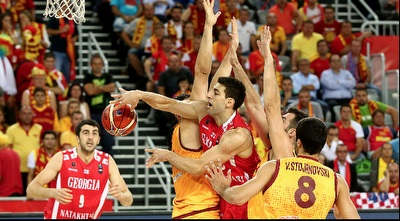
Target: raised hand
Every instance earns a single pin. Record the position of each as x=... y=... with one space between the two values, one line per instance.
x=126 y=97
x=211 y=18
x=233 y=57
x=216 y=177
x=264 y=42
x=234 y=35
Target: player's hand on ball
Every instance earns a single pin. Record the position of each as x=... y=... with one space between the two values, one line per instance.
x=126 y=97
x=158 y=155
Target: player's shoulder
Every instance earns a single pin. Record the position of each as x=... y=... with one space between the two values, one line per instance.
x=238 y=133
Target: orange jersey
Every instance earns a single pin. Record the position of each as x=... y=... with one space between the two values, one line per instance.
x=301 y=188
x=254 y=208
x=195 y=197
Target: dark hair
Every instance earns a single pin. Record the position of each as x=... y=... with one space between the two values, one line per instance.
x=222 y=30
x=39 y=89
x=344 y=22
x=377 y=111
x=73 y=84
x=76 y=112
x=320 y=41
x=343 y=106
x=166 y=37
x=182 y=97
x=302 y=60
x=312 y=133
x=27 y=13
x=97 y=55
x=287 y=78
x=72 y=101
x=184 y=37
x=87 y=122
x=304 y=90
x=49 y=54
x=2 y=16
x=182 y=78
x=298 y=115
x=177 y=5
x=308 y=21
x=332 y=127
x=329 y=7
x=361 y=89
x=233 y=89
x=48 y=132
x=158 y=25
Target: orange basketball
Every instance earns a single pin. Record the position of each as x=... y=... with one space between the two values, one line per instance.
x=119 y=122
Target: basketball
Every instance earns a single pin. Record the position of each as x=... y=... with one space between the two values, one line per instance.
x=119 y=122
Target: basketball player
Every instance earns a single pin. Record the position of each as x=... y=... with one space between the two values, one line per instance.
x=83 y=176
x=293 y=187
x=224 y=133
x=255 y=108
x=195 y=198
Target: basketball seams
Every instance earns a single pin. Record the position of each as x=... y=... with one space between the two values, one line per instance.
x=110 y=124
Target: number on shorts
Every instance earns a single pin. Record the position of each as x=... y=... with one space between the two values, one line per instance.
x=303 y=189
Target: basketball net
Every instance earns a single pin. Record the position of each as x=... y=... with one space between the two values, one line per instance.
x=71 y=9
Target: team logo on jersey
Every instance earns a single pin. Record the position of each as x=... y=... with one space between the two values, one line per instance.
x=100 y=169
x=85 y=171
x=73 y=164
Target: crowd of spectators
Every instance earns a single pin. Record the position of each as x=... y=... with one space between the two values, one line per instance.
x=323 y=60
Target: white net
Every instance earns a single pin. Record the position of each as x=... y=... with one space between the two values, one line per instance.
x=71 y=9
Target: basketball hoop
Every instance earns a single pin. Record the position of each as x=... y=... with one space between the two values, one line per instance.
x=71 y=9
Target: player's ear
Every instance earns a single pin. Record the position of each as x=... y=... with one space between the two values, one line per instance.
x=231 y=102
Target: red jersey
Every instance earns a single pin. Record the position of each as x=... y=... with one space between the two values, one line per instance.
x=89 y=185
x=160 y=64
x=56 y=78
x=189 y=59
x=11 y=181
x=347 y=135
x=46 y=117
x=329 y=31
x=242 y=168
x=198 y=18
x=339 y=43
x=319 y=65
x=377 y=136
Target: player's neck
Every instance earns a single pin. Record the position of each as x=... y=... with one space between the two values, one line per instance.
x=222 y=118
x=85 y=155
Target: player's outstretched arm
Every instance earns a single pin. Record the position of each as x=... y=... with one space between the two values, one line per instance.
x=272 y=101
x=253 y=101
x=35 y=188
x=187 y=109
x=240 y=194
x=233 y=142
x=225 y=68
x=344 y=207
x=202 y=66
x=118 y=187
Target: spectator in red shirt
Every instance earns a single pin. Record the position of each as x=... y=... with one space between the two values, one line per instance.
x=320 y=62
x=341 y=43
x=329 y=27
x=286 y=12
x=10 y=178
